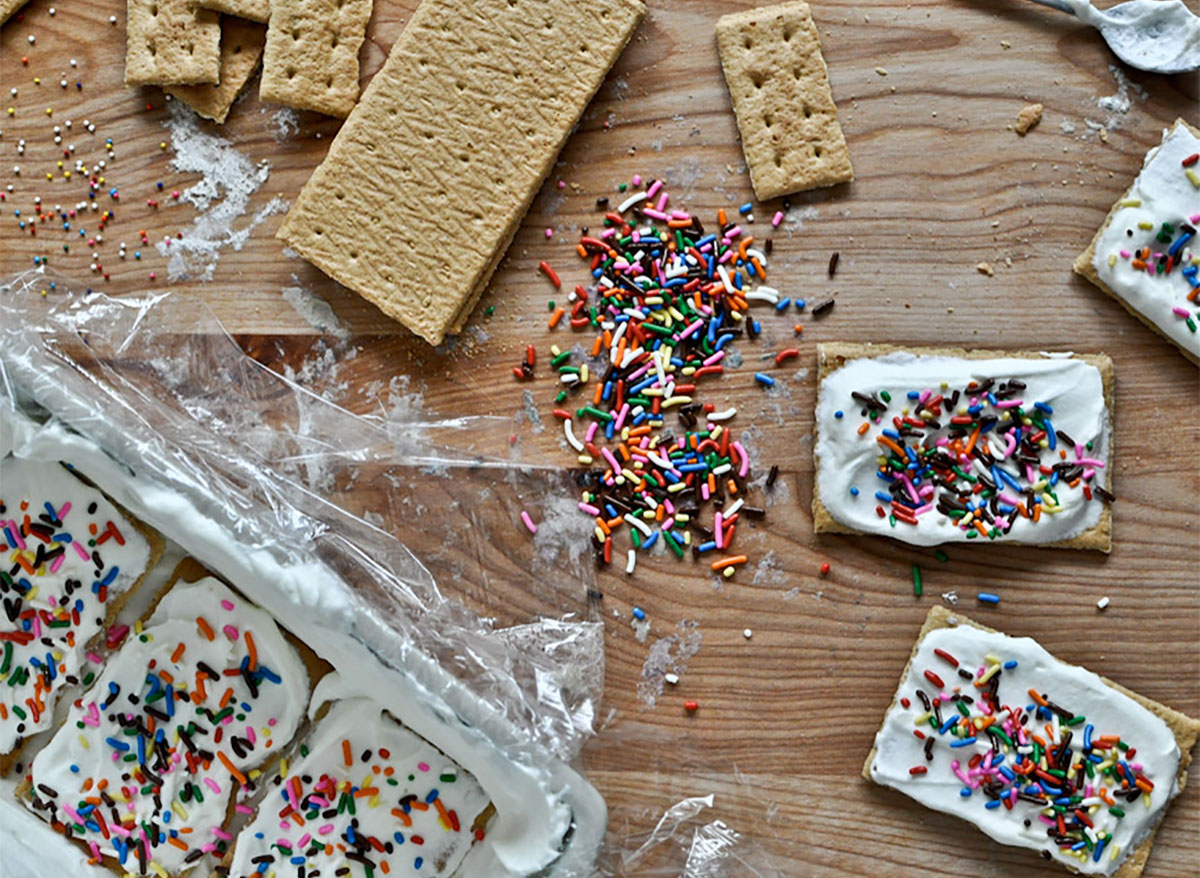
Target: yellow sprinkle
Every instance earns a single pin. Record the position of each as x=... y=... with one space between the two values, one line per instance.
x=162 y=144
x=1194 y=177
x=1130 y=202
x=178 y=809
x=676 y=400
x=922 y=719
x=83 y=742
x=992 y=659
x=1112 y=259
x=599 y=534
x=159 y=870
x=283 y=767
x=585 y=459
x=49 y=111
x=1147 y=226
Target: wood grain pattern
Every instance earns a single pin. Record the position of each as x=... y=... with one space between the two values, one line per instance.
x=942 y=183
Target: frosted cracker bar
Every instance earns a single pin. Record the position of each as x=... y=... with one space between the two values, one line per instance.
x=72 y=559
x=311 y=59
x=1146 y=255
x=171 y=42
x=936 y=445
x=428 y=180
x=780 y=89
x=1035 y=752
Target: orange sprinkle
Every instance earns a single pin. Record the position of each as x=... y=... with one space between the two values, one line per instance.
x=554 y=318
x=253 y=650
x=238 y=776
x=728 y=561
x=1038 y=699
x=346 y=754
x=866 y=425
x=205 y=628
x=178 y=653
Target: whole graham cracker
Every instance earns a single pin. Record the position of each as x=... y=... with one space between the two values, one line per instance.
x=311 y=59
x=1084 y=266
x=171 y=42
x=241 y=48
x=780 y=89
x=832 y=356
x=427 y=182
x=251 y=10
x=1185 y=729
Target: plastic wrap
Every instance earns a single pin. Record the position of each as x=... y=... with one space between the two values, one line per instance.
x=150 y=391
x=155 y=403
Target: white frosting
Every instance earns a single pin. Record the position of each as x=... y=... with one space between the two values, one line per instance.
x=1166 y=195
x=411 y=784
x=536 y=798
x=1075 y=689
x=224 y=717
x=1160 y=35
x=80 y=572
x=846 y=460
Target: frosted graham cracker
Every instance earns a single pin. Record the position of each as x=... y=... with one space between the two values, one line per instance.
x=1035 y=752
x=937 y=445
x=1146 y=254
x=449 y=144
x=171 y=42
x=241 y=48
x=780 y=89
x=311 y=59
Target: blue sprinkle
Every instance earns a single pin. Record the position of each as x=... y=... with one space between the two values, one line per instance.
x=746 y=208
x=639 y=613
x=992 y=804
x=965 y=792
x=764 y=379
x=839 y=414
x=965 y=742
x=1010 y=664
x=986 y=597
x=853 y=491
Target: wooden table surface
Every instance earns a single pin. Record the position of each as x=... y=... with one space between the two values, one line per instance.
x=928 y=93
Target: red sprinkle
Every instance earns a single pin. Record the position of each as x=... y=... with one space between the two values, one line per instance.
x=691 y=706
x=786 y=355
x=941 y=653
x=918 y=769
x=550 y=273
x=934 y=679
x=1191 y=160
x=825 y=569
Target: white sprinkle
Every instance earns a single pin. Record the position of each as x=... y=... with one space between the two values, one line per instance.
x=53 y=11
x=631 y=201
x=32 y=39
x=112 y=19
x=74 y=63
x=1102 y=603
x=747 y=634
x=631 y=563
x=671 y=678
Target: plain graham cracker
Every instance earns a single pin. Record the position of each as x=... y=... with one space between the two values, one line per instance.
x=251 y=10
x=833 y=356
x=1084 y=262
x=780 y=89
x=430 y=177
x=241 y=49
x=1185 y=729
x=311 y=59
x=171 y=42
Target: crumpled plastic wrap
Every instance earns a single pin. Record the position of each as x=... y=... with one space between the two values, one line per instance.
x=156 y=382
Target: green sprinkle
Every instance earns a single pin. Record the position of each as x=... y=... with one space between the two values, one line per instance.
x=941 y=556
x=489 y=310
x=916 y=578
x=550 y=305
x=885 y=396
x=1116 y=812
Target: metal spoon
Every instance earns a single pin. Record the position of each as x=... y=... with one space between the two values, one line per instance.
x=1161 y=36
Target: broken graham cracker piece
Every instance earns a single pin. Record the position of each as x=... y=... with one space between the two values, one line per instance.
x=251 y=10
x=241 y=48
x=311 y=59
x=428 y=180
x=171 y=42
x=1028 y=118
x=1025 y=705
x=780 y=90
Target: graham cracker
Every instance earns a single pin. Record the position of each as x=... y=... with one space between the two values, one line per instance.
x=171 y=42
x=427 y=182
x=113 y=606
x=241 y=48
x=1083 y=262
x=311 y=60
x=832 y=356
x=1185 y=729
x=190 y=570
x=251 y=10
x=780 y=89
x=8 y=7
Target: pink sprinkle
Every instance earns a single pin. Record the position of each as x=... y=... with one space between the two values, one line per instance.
x=734 y=232
x=704 y=491
x=745 y=467
x=662 y=201
x=637 y=179
x=718 y=531
x=250 y=736
x=562 y=184
x=1179 y=312
x=1125 y=254
x=680 y=215
x=227 y=605
x=1194 y=218
x=589 y=509
x=115 y=635
x=231 y=632
x=57 y=563
x=423 y=766
x=221 y=834
x=549 y=233
x=92 y=657
x=529 y=521
x=212 y=785
x=777 y=219
x=655 y=214
x=325 y=830
x=271 y=721
x=243 y=809
x=304 y=840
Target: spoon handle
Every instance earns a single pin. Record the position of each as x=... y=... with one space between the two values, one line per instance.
x=1057 y=4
